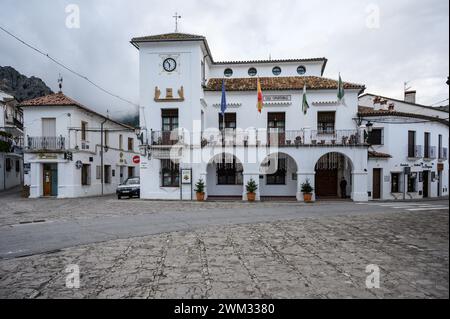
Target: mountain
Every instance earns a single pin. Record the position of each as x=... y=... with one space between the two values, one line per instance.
x=131 y=120
x=20 y=86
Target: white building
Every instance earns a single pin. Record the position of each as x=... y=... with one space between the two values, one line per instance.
x=180 y=95
x=11 y=142
x=408 y=156
x=63 y=149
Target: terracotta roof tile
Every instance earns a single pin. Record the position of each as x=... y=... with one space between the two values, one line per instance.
x=51 y=100
x=278 y=83
x=168 y=37
x=374 y=154
x=364 y=111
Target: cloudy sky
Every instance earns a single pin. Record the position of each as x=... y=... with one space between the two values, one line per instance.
x=380 y=43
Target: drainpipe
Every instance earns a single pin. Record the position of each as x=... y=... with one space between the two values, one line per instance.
x=101 y=154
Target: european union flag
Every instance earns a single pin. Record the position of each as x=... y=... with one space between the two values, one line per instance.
x=223 y=103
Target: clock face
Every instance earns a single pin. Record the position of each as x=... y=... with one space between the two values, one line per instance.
x=169 y=65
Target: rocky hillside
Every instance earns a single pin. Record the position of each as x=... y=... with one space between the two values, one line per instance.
x=20 y=86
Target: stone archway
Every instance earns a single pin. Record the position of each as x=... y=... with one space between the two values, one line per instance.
x=224 y=175
x=332 y=171
x=278 y=176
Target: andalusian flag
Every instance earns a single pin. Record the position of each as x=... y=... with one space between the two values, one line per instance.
x=341 y=92
x=260 y=98
x=305 y=105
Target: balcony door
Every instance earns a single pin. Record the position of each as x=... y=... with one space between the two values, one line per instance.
x=276 y=127
x=169 y=123
x=48 y=127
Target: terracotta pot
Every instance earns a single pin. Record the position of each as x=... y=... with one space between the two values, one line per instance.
x=307 y=198
x=251 y=197
x=200 y=197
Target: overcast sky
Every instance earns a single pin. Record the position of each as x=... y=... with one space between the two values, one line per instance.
x=379 y=43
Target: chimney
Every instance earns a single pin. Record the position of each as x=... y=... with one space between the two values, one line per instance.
x=410 y=96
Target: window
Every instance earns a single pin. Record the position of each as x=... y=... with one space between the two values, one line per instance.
x=229 y=173
x=411 y=143
x=440 y=147
x=84 y=131
x=276 y=125
x=279 y=177
x=169 y=123
x=412 y=181
x=426 y=139
x=230 y=120
x=130 y=144
x=376 y=137
x=325 y=122
x=17 y=166
x=395 y=183
x=228 y=72
x=276 y=71
x=107 y=177
x=98 y=172
x=8 y=165
x=86 y=175
x=301 y=70
x=170 y=173
x=252 y=72
x=120 y=142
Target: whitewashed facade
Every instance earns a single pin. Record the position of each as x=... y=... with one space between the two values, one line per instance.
x=11 y=138
x=180 y=92
x=409 y=156
x=63 y=146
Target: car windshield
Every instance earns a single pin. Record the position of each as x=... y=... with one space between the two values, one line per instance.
x=132 y=181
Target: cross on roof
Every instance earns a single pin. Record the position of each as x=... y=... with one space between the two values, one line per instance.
x=176 y=17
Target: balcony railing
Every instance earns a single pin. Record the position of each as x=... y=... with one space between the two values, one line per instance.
x=42 y=143
x=415 y=151
x=430 y=152
x=281 y=138
x=163 y=138
x=443 y=154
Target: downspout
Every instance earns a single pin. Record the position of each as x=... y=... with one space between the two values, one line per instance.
x=101 y=155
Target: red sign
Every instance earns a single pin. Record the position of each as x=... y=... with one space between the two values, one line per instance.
x=136 y=159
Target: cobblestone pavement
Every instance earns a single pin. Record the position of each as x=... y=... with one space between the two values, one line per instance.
x=322 y=257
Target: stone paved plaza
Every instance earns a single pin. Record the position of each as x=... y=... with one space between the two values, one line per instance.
x=323 y=257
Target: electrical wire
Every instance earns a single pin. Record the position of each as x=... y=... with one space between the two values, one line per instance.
x=68 y=68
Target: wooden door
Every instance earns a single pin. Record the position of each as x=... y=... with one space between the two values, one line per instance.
x=47 y=182
x=326 y=183
x=376 y=183
x=425 y=184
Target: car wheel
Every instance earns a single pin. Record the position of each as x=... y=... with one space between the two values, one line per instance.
x=119 y=197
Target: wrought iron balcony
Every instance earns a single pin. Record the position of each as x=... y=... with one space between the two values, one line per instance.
x=44 y=143
x=415 y=151
x=281 y=138
x=430 y=152
x=163 y=138
x=443 y=154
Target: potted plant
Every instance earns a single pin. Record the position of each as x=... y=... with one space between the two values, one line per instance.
x=307 y=190
x=200 y=190
x=251 y=189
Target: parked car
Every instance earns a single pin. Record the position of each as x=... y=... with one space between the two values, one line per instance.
x=130 y=188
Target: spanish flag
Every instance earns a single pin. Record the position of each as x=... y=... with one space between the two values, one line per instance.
x=260 y=98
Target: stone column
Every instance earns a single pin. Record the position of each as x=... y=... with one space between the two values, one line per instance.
x=359 y=186
x=302 y=176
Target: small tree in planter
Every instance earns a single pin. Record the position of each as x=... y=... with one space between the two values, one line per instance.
x=200 y=190
x=307 y=190
x=251 y=190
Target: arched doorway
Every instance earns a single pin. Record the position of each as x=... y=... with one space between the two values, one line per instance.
x=278 y=177
x=225 y=177
x=333 y=170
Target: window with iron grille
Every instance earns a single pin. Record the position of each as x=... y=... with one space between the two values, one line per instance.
x=376 y=137
x=279 y=177
x=411 y=144
x=229 y=173
x=170 y=173
x=326 y=122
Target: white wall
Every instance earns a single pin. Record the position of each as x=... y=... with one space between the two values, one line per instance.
x=69 y=177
